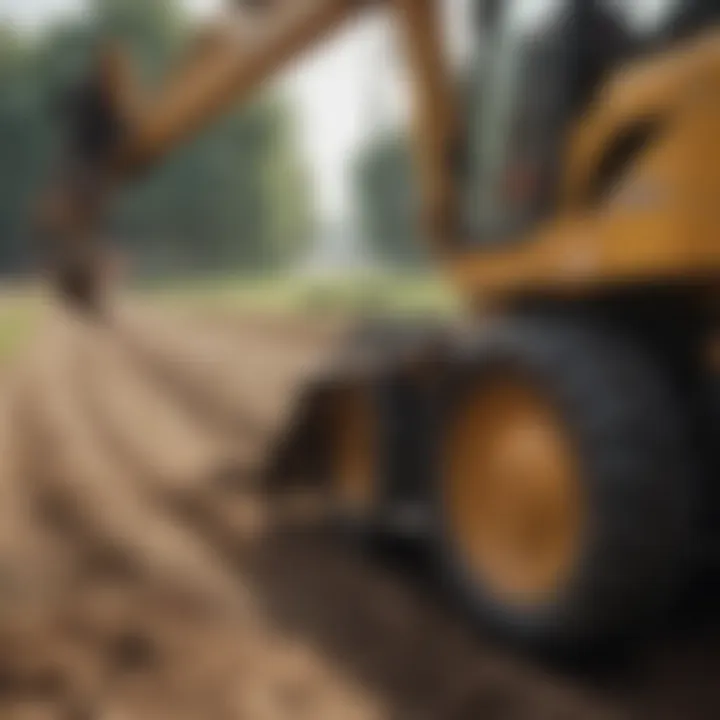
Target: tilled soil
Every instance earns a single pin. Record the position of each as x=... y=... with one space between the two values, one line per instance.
x=145 y=574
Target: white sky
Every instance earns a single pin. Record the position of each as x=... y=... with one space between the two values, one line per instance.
x=341 y=92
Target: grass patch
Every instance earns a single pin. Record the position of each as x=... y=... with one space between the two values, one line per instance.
x=20 y=313
x=365 y=295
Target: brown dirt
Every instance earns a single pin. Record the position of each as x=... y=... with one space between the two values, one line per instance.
x=143 y=574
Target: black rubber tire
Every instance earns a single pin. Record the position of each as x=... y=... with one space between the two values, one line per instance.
x=400 y=417
x=632 y=439
x=400 y=408
x=357 y=527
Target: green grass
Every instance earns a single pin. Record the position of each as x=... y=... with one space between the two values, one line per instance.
x=20 y=312
x=356 y=294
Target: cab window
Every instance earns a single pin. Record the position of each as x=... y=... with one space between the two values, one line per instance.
x=517 y=129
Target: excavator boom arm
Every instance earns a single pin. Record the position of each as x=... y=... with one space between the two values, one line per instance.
x=231 y=60
x=223 y=66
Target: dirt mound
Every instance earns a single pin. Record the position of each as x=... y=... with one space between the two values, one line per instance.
x=144 y=575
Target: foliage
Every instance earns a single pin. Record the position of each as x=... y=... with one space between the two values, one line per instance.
x=233 y=198
x=388 y=200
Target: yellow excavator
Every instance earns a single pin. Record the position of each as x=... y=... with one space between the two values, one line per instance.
x=559 y=450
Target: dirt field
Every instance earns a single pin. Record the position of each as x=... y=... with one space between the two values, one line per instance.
x=144 y=575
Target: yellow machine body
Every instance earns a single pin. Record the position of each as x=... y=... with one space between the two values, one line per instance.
x=659 y=223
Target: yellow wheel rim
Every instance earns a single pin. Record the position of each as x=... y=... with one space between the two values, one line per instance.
x=513 y=492
x=355 y=451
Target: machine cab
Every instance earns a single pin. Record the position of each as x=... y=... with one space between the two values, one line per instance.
x=538 y=65
x=518 y=118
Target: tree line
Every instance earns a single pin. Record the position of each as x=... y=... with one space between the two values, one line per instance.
x=234 y=199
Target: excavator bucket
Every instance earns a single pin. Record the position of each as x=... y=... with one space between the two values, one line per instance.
x=95 y=116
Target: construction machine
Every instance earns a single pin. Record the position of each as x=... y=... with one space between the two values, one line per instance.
x=558 y=450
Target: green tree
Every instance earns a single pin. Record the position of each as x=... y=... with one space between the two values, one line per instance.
x=24 y=144
x=388 y=200
x=234 y=198
x=287 y=193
